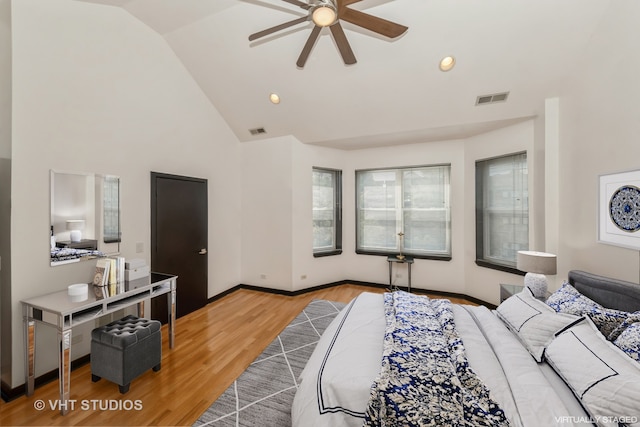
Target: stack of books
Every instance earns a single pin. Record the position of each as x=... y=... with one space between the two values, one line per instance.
x=109 y=277
x=135 y=269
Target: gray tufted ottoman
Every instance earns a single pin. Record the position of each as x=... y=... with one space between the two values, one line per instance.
x=124 y=349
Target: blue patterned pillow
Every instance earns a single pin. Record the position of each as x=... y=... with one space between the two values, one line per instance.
x=629 y=341
x=631 y=319
x=567 y=299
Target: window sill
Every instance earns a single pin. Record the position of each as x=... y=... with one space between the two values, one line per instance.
x=499 y=267
x=327 y=253
x=386 y=254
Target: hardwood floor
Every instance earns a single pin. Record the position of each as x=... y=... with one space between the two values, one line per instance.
x=214 y=345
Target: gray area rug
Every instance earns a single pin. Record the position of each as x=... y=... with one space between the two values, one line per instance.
x=263 y=394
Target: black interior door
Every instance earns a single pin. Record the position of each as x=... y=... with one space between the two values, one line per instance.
x=179 y=225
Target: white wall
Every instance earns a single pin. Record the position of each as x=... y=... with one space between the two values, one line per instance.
x=5 y=185
x=5 y=79
x=5 y=267
x=95 y=90
x=600 y=124
x=266 y=213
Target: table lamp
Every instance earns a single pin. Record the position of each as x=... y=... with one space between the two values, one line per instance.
x=536 y=265
x=75 y=226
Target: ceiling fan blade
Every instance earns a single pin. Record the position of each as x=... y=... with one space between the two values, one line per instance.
x=373 y=23
x=342 y=3
x=306 y=50
x=268 y=31
x=343 y=44
x=300 y=4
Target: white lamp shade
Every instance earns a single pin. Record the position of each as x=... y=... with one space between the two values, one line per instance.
x=536 y=262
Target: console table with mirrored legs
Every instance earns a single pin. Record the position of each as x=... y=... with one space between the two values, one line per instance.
x=60 y=311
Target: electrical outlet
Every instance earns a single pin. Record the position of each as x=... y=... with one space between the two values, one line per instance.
x=139 y=247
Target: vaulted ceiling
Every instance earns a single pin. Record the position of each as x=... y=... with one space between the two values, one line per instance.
x=395 y=93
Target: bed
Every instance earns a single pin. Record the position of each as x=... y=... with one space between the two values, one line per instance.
x=68 y=255
x=398 y=359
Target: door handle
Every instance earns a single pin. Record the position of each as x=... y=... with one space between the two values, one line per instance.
x=202 y=251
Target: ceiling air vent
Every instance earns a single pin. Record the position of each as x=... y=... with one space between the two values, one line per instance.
x=257 y=131
x=490 y=99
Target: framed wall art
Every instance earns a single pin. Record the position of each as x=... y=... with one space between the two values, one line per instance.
x=619 y=209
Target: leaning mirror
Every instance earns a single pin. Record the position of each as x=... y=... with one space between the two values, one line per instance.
x=85 y=216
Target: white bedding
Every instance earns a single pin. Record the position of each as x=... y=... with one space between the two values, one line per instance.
x=334 y=387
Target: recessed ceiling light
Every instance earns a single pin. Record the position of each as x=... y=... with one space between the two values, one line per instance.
x=274 y=98
x=447 y=63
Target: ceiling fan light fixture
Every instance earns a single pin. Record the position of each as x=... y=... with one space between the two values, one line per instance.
x=330 y=13
x=274 y=98
x=447 y=63
x=324 y=14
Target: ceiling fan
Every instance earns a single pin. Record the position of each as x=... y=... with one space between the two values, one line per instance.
x=329 y=13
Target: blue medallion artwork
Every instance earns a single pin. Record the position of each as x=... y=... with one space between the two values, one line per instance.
x=624 y=208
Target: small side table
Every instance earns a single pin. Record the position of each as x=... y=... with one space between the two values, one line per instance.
x=406 y=260
x=508 y=290
x=82 y=244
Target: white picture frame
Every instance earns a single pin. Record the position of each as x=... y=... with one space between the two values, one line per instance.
x=619 y=209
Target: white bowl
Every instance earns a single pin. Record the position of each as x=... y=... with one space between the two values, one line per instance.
x=78 y=292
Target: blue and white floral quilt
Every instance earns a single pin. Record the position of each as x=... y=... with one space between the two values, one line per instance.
x=425 y=378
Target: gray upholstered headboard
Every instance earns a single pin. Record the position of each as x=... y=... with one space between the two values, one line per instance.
x=611 y=293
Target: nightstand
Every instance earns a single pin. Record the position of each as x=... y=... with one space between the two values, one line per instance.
x=82 y=244
x=393 y=258
x=508 y=290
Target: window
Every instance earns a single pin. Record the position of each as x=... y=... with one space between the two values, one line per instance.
x=111 y=207
x=414 y=201
x=327 y=212
x=502 y=211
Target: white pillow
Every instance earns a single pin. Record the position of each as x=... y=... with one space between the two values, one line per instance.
x=603 y=377
x=532 y=321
